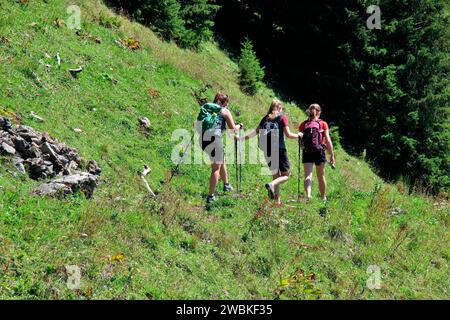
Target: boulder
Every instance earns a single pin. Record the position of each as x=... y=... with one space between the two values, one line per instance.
x=18 y=163
x=46 y=148
x=20 y=144
x=6 y=148
x=84 y=182
x=93 y=168
x=38 y=168
x=5 y=124
x=52 y=189
x=33 y=152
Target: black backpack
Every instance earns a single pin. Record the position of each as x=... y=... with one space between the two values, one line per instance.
x=267 y=130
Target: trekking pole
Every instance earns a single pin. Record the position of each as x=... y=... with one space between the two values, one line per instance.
x=236 y=161
x=240 y=163
x=298 y=168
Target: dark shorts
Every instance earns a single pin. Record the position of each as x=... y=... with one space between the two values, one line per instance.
x=283 y=164
x=214 y=149
x=317 y=158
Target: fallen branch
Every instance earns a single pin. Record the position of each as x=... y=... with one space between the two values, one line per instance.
x=75 y=71
x=38 y=118
x=143 y=174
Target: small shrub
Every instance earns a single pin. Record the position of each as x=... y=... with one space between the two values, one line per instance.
x=335 y=137
x=298 y=285
x=250 y=71
x=110 y=22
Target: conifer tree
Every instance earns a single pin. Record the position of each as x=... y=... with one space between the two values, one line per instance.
x=250 y=71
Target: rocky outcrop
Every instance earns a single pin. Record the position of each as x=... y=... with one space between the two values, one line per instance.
x=43 y=157
x=84 y=182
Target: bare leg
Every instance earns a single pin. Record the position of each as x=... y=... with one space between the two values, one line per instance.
x=214 y=179
x=308 y=178
x=275 y=176
x=280 y=179
x=223 y=172
x=320 y=170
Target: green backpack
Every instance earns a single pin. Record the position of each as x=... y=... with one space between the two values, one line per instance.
x=208 y=116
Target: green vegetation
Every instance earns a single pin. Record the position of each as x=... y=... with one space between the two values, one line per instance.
x=250 y=71
x=129 y=246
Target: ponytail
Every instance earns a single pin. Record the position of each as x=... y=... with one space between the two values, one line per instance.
x=221 y=99
x=313 y=110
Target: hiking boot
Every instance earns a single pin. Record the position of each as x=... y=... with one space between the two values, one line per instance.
x=270 y=190
x=210 y=199
x=227 y=187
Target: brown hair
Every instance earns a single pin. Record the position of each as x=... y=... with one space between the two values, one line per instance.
x=312 y=110
x=221 y=99
x=274 y=106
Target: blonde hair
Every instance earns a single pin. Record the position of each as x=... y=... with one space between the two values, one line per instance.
x=313 y=110
x=276 y=104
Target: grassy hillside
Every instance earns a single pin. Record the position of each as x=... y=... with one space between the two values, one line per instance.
x=242 y=247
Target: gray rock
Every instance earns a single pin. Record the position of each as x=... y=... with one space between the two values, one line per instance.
x=30 y=137
x=5 y=124
x=63 y=161
x=26 y=129
x=70 y=167
x=84 y=182
x=6 y=148
x=33 y=152
x=56 y=147
x=18 y=163
x=52 y=189
x=46 y=148
x=93 y=168
x=6 y=138
x=20 y=144
x=40 y=169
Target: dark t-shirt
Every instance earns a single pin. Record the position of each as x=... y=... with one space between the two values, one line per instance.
x=269 y=128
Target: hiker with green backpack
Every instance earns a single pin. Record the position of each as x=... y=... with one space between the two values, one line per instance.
x=272 y=130
x=214 y=117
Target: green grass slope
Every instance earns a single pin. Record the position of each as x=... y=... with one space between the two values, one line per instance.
x=131 y=247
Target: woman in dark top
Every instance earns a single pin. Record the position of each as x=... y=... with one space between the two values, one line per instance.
x=272 y=129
